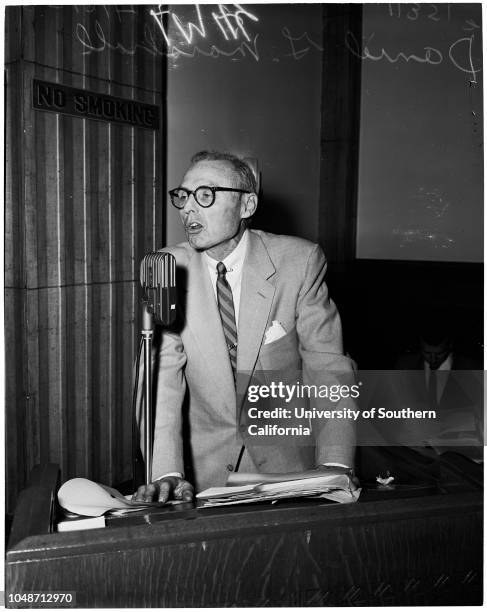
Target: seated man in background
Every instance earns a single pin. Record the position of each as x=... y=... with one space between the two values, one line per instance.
x=431 y=377
x=451 y=386
x=240 y=283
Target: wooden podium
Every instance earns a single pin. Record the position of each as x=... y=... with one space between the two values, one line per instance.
x=403 y=547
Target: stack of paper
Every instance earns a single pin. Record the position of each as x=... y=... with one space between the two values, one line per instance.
x=333 y=485
x=81 y=524
x=87 y=498
x=461 y=433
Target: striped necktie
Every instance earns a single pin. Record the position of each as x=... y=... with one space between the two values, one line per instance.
x=433 y=390
x=227 y=314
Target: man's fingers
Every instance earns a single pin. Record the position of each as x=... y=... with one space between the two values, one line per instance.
x=187 y=495
x=145 y=493
x=184 y=491
x=139 y=494
x=164 y=490
x=161 y=490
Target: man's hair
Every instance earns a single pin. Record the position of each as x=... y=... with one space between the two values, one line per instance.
x=434 y=328
x=246 y=176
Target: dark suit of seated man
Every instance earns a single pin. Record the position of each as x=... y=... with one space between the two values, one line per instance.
x=450 y=384
x=254 y=301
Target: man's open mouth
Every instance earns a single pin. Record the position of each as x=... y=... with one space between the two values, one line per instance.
x=193 y=227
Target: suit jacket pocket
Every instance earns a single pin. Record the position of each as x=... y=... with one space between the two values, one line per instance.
x=282 y=354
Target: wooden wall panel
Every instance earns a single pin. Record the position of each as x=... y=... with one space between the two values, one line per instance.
x=84 y=203
x=15 y=464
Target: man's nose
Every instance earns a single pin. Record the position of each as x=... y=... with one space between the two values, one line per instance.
x=190 y=205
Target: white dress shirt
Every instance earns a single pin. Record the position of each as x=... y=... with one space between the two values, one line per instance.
x=440 y=380
x=234 y=265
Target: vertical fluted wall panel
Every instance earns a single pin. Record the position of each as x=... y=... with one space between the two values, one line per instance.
x=83 y=204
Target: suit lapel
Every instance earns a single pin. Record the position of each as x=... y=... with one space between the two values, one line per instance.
x=204 y=322
x=203 y=318
x=256 y=299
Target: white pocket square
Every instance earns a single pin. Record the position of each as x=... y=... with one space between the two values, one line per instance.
x=274 y=332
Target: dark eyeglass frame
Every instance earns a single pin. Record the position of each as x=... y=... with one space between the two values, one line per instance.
x=172 y=194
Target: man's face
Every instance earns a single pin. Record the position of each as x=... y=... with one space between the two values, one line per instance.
x=215 y=226
x=435 y=355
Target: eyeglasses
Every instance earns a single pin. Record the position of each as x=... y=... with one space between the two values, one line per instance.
x=204 y=196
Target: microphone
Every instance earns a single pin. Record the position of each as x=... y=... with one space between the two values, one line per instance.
x=158 y=280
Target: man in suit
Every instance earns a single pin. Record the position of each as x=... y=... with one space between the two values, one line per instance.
x=450 y=384
x=433 y=377
x=437 y=359
x=241 y=284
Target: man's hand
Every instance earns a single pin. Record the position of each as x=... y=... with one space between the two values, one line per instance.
x=164 y=489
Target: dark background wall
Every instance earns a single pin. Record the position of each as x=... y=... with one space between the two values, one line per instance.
x=421 y=165
x=418 y=224
x=345 y=142
x=260 y=99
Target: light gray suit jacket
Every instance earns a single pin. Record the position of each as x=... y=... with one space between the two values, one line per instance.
x=283 y=280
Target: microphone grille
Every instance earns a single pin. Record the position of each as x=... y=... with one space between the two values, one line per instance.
x=158 y=269
x=158 y=280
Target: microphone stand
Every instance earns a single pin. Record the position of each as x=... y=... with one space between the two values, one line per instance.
x=158 y=279
x=147 y=335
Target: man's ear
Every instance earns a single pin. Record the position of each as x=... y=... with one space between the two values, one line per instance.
x=248 y=205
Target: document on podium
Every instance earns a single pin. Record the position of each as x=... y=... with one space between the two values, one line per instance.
x=461 y=433
x=87 y=498
x=243 y=488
